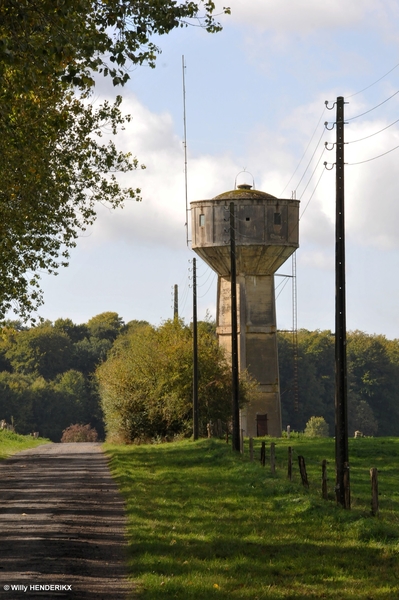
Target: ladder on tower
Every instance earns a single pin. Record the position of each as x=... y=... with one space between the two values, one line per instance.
x=295 y=334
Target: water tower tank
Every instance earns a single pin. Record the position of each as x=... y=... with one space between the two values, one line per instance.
x=266 y=234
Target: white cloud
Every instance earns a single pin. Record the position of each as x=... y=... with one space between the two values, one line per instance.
x=160 y=218
x=303 y=16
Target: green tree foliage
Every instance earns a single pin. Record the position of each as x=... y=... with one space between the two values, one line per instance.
x=42 y=351
x=105 y=326
x=76 y=333
x=54 y=165
x=46 y=373
x=146 y=383
x=373 y=371
x=316 y=427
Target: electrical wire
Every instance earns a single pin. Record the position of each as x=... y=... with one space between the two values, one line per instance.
x=371 y=84
x=209 y=273
x=371 y=109
x=314 y=170
x=371 y=135
x=374 y=157
x=311 y=158
x=303 y=155
x=184 y=299
x=308 y=202
x=209 y=287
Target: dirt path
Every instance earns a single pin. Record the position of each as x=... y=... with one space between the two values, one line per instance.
x=61 y=524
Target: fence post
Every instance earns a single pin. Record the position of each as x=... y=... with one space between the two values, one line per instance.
x=324 y=491
x=263 y=454
x=290 y=463
x=273 y=457
x=302 y=469
x=251 y=449
x=347 y=490
x=374 y=492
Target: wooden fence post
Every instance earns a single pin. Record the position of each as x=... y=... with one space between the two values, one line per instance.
x=251 y=449
x=324 y=491
x=263 y=454
x=302 y=469
x=374 y=492
x=347 y=490
x=273 y=457
x=290 y=463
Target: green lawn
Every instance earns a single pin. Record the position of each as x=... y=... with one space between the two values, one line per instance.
x=204 y=522
x=10 y=442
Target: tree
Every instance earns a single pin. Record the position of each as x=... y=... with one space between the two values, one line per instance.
x=373 y=370
x=316 y=427
x=316 y=378
x=40 y=351
x=146 y=382
x=105 y=326
x=76 y=333
x=54 y=167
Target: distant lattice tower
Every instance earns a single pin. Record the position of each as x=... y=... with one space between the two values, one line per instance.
x=266 y=234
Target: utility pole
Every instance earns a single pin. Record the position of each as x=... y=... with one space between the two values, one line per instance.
x=234 y=336
x=176 y=302
x=341 y=411
x=195 y=353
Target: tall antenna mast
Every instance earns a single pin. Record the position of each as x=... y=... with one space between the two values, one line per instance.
x=185 y=144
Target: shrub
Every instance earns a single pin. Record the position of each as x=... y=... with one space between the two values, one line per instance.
x=79 y=433
x=316 y=427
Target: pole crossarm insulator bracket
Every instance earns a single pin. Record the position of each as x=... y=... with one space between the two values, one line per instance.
x=329 y=107
x=329 y=128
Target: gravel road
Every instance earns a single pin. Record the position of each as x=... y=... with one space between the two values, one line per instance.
x=62 y=524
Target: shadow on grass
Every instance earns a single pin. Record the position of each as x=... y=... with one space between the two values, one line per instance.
x=204 y=521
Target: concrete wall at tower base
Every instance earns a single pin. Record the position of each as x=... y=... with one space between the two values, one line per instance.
x=266 y=403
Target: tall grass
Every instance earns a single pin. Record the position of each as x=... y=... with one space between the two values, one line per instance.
x=11 y=442
x=204 y=522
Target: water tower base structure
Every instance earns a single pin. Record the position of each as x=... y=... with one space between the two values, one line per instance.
x=266 y=234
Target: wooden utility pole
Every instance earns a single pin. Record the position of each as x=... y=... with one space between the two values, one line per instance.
x=176 y=302
x=195 y=353
x=234 y=336
x=341 y=420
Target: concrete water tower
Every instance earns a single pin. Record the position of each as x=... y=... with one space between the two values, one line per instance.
x=266 y=234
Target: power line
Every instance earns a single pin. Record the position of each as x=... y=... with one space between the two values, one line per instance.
x=371 y=84
x=374 y=158
x=311 y=158
x=308 y=202
x=373 y=134
x=303 y=155
x=371 y=109
x=314 y=170
x=209 y=287
x=209 y=273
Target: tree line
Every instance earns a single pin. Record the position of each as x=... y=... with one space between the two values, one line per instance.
x=134 y=381
x=47 y=373
x=373 y=376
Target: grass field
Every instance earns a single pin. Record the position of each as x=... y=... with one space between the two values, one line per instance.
x=10 y=442
x=204 y=522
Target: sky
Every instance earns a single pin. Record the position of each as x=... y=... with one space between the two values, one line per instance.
x=255 y=100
